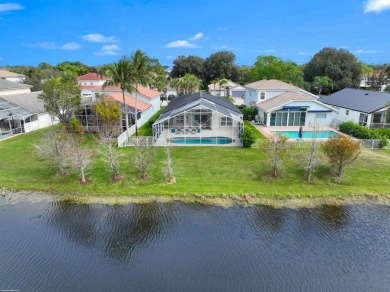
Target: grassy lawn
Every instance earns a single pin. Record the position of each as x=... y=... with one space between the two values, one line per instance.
x=198 y=170
x=255 y=133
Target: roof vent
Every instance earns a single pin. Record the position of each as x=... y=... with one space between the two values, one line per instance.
x=366 y=94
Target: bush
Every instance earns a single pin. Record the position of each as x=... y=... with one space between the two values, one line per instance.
x=249 y=111
x=360 y=132
x=247 y=138
x=241 y=106
x=384 y=131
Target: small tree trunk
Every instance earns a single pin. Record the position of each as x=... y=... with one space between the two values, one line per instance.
x=82 y=174
x=340 y=171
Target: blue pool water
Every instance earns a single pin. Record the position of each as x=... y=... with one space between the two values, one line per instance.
x=306 y=134
x=202 y=140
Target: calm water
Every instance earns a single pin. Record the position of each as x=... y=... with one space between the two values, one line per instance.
x=191 y=247
x=306 y=134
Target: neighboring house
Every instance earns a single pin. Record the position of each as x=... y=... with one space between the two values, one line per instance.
x=10 y=87
x=90 y=83
x=283 y=104
x=11 y=76
x=199 y=116
x=365 y=107
x=22 y=113
x=365 y=80
x=228 y=89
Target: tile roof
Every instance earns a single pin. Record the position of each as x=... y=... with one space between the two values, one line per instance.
x=92 y=76
x=282 y=99
x=130 y=101
x=366 y=101
x=148 y=93
x=6 y=73
x=272 y=85
x=28 y=101
x=6 y=85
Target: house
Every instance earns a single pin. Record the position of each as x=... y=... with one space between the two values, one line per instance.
x=199 y=118
x=365 y=107
x=91 y=82
x=283 y=104
x=23 y=113
x=10 y=87
x=11 y=76
x=228 y=89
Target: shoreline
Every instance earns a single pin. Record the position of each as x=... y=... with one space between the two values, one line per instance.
x=18 y=196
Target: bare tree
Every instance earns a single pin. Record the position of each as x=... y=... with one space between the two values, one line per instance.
x=109 y=115
x=144 y=156
x=80 y=156
x=277 y=151
x=54 y=145
x=169 y=163
x=312 y=158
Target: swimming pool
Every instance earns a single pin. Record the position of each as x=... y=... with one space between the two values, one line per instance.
x=306 y=134
x=202 y=140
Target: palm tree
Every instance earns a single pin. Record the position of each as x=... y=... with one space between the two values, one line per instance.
x=141 y=75
x=176 y=84
x=214 y=82
x=120 y=74
x=222 y=82
x=190 y=83
x=322 y=81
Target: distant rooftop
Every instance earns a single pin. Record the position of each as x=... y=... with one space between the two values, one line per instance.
x=272 y=85
x=6 y=74
x=6 y=85
x=28 y=101
x=92 y=76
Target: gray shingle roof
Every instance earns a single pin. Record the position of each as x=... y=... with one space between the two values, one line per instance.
x=357 y=99
x=28 y=101
x=6 y=85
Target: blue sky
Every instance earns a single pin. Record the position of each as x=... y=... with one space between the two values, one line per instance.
x=97 y=32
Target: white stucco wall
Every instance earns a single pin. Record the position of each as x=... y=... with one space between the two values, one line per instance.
x=91 y=82
x=352 y=115
x=44 y=121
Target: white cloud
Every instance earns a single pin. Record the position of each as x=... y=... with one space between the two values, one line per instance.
x=70 y=46
x=181 y=44
x=108 y=50
x=6 y=7
x=376 y=6
x=301 y=53
x=170 y=57
x=46 y=45
x=99 y=38
x=366 y=52
x=197 y=36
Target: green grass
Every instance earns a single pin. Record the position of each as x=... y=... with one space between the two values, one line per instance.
x=211 y=171
x=147 y=128
x=255 y=133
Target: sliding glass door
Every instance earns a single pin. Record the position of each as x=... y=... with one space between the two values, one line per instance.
x=288 y=118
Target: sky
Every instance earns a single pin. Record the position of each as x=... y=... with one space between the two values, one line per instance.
x=100 y=32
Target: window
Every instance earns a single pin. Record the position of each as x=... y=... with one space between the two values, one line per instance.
x=226 y=122
x=180 y=120
x=262 y=95
x=320 y=116
x=346 y=112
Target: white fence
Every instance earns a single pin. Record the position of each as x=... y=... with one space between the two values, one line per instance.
x=122 y=138
x=139 y=141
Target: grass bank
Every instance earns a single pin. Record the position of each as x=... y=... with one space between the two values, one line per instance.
x=213 y=171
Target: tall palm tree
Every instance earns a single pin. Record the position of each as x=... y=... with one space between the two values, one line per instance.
x=214 y=82
x=141 y=75
x=222 y=82
x=176 y=84
x=190 y=83
x=120 y=74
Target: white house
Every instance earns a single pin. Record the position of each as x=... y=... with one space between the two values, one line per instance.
x=11 y=76
x=365 y=107
x=90 y=84
x=228 y=89
x=283 y=104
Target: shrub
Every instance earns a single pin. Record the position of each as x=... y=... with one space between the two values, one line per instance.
x=360 y=132
x=249 y=111
x=247 y=138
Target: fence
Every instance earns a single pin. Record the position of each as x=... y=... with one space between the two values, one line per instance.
x=122 y=138
x=139 y=141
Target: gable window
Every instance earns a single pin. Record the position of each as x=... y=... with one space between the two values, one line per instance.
x=226 y=122
x=262 y=95
x=346 y=112
x=320 y=116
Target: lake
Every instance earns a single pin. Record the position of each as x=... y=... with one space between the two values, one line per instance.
x=66 y=246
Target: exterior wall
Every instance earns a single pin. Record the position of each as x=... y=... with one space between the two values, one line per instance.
x=15 y=91
x=250 y=96
x=145 y=116
x=44 y=121
x=91 y=82
x=352 y=115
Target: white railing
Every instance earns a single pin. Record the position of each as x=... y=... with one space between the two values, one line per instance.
x=139 y=141
x=122 y=138
x=380 y=125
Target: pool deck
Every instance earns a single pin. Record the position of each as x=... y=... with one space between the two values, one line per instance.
x=166 y=134
x=267 y=131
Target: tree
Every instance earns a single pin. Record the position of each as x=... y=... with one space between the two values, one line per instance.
x=144 y=156
x=312 y=158
x=339 y=65
x=177 y=85
x=61 y=98
x=109 y=117
x=121 y=75
x=161 y=82
x=73 y=68
x=321 y=82
x=190 y=83
x=141 y=75
x=276 y=150
x=271 y=67
x=341 y=151
x=192 y=64
x=54 y=146
x=220 y=65
x=222 y=82
x=169 y=163
x=376 y=81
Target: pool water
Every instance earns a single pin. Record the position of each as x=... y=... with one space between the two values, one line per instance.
x=306 y=134
x=202 y=140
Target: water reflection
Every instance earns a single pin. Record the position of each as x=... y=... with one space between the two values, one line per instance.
x=116 y=230
x=268 y=217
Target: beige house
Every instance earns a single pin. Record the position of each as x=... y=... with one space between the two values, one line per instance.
x=11 y=76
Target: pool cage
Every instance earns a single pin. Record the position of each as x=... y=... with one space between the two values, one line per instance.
x=13 y=118
x=197 y=121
